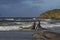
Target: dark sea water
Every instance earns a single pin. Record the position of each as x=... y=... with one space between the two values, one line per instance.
x=17 y=35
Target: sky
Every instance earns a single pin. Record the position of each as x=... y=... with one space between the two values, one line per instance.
x=26 y=8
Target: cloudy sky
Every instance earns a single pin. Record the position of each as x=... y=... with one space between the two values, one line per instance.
x=26 y=8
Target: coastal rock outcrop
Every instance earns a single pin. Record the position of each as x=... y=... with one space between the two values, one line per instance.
x=46 y=35
x=36 y=25
x=51 y=14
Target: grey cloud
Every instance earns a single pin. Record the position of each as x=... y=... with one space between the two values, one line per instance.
x=27 y=7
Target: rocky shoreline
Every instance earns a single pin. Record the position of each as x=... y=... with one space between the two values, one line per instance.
x=46 y=35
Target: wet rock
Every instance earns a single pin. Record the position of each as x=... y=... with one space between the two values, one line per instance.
x=36 y=25
x=46 y=35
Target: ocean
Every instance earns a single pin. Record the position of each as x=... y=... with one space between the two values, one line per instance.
x=11 y=32
x=18 y=35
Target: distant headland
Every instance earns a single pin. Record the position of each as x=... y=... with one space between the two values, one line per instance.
x=51 y=14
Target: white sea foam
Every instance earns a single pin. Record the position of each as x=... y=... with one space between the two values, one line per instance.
x=7 y=28
x=15 y=27
x=46 y=24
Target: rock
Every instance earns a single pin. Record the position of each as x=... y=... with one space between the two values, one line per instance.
x=36 y=25
x=46 y=35
x=51 y=14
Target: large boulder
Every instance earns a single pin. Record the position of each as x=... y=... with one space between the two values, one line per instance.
x=46 y=35
x=36 y=25
x=51 y=14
